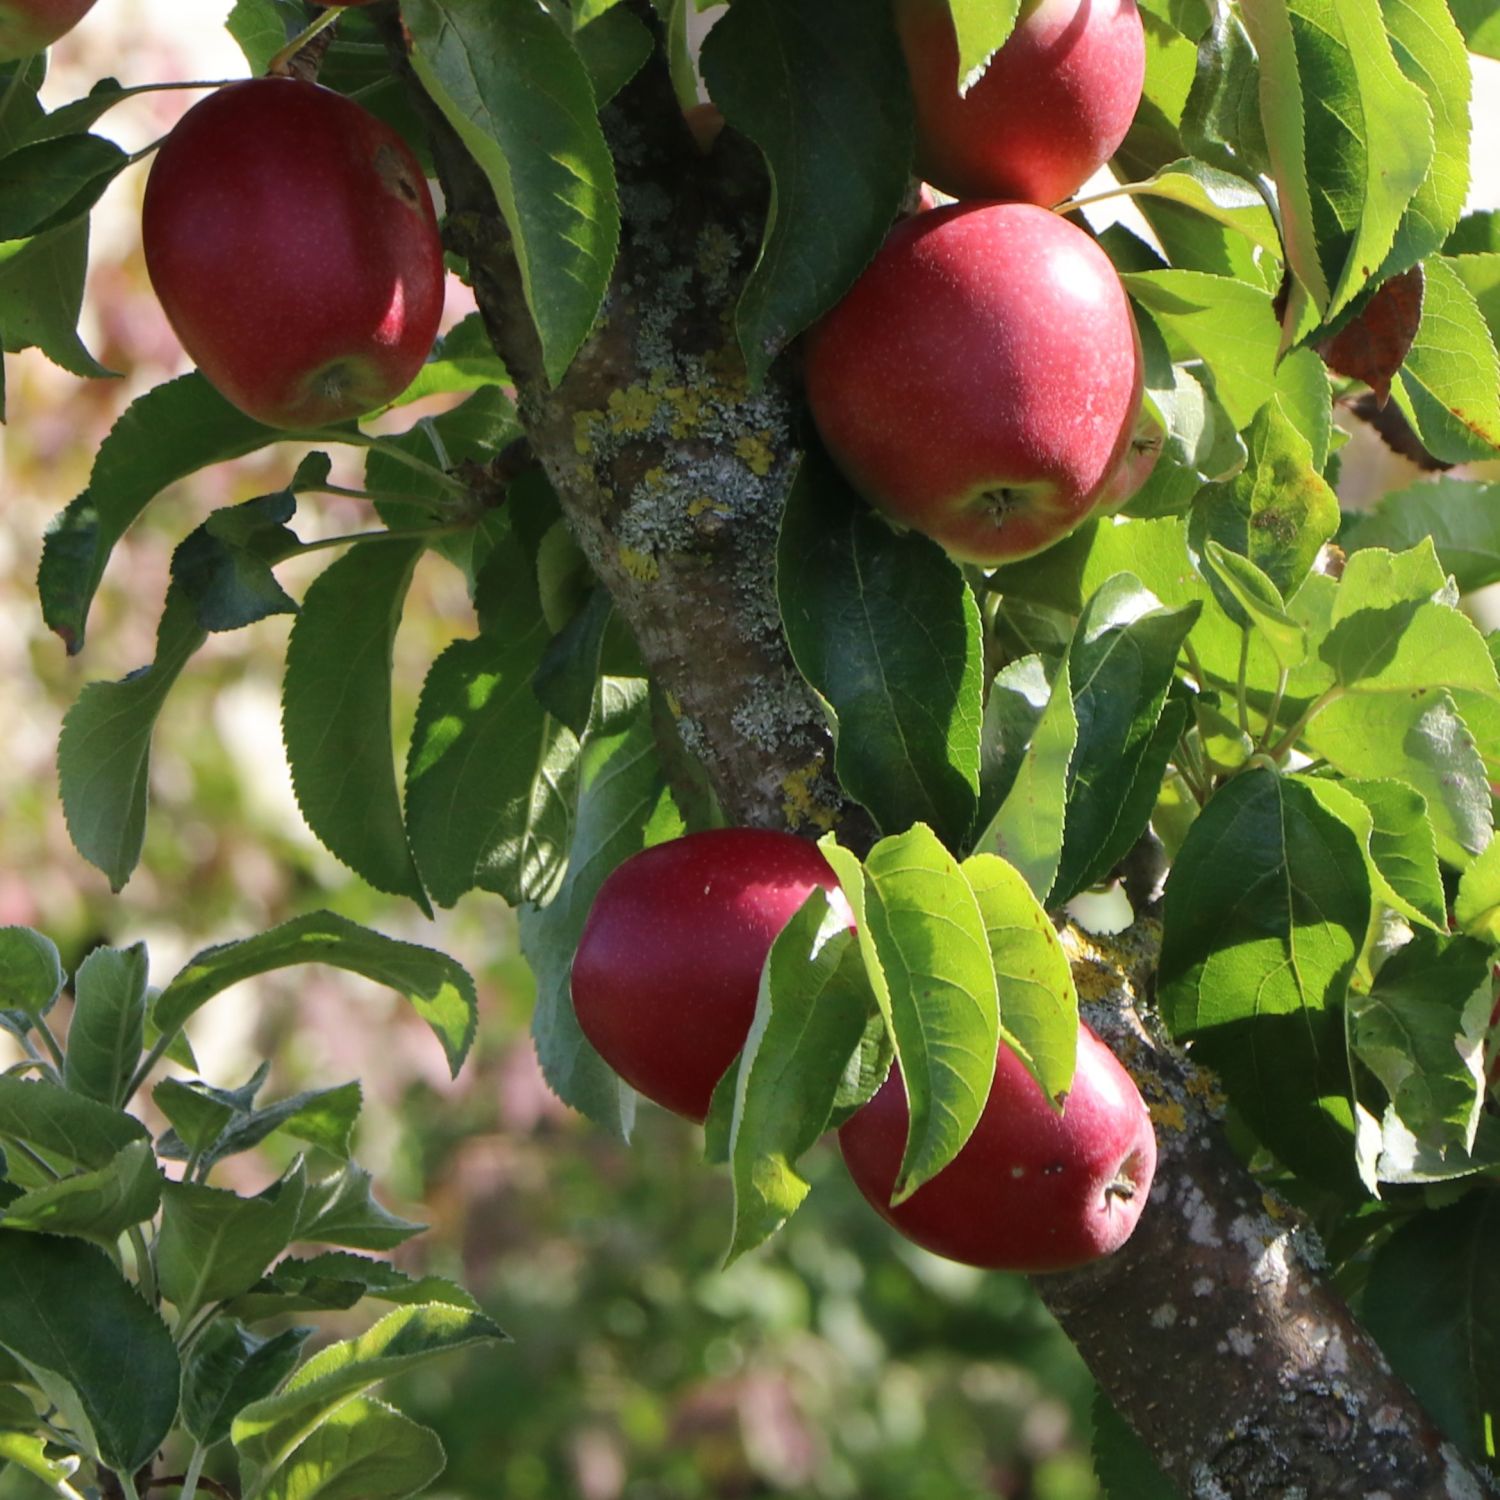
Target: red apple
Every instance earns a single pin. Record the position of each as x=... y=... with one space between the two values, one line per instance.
x=27 y=26
x=1031 y=1190
x=292 y=241
x=1048 y=112
x=981 y=381
x=668 y=966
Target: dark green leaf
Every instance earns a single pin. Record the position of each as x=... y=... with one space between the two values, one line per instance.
x=336 y=1280
x=822 y=91
x=1403 y=847
x=886 y=630
x=224 y=565
x=341 y=1210
x=324 y=1118
x=614 y=48
x=1122 y=1462
x=198 y=1115
x=41 y=294
x=336 y=712
x=107 y=1031
x=228 y=1369
x=49 y=184
x=31 y=973
x=1265 y=913
x=64 y=1127
x=99 y=1205
x=102 y=1356
x=261 y=29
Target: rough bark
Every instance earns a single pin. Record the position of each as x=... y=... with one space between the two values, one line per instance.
x=1215 y=1331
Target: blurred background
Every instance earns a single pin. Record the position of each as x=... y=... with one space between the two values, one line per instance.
x=839 y=1361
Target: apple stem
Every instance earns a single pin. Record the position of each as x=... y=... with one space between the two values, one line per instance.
x=278 y=64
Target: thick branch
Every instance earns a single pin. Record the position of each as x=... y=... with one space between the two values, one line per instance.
x=673 y=473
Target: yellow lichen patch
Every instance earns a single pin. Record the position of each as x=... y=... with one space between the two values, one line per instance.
x=674 y=704
x=1167 y=1114
x=802 y=808
x=707 y=502
x=583 y=431
x=633 y=409
x=687 y=407
x=1202 y=1085
x=1274 y=1207
x=756 y=451
x=639 y=565
x=654 y=478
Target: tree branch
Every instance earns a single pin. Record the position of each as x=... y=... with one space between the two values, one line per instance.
x=673 y=473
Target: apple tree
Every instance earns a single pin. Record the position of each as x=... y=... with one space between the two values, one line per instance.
x=1272 y=724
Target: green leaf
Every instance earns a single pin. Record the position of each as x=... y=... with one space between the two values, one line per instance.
x=364 y=1450
x=1403 y=849
x=64 y=1127
x=1420 y=738
x=1476 y=908
x=224 y=565
x=268 y=1432
x=324 y=1118
x=1449 y=386
x=438 y=987
x=1460 y=516
x=165 y=435
x=341 y=1210
x=1221 y=119
x=1265 y=913
x=214 y=1244
x=336 y=713
x=198 y=1114
x=51 y=183
x=814 y=1003
x=1278 y=511
x=1123 y=1463
x=104 y=751
x=463 y=359
x=541 y=148
x=933 y=972
x=229 y=1368
x=1121 y=663
x=982 y=28
x=41 y=295
x=1228 y=323
x=1252 y=599
x=1433 y=1302
x=31 y=974
x=1350 y=138
x=623 y=804
x=822 y=91
x=260 y=28
x=1225 y=197
x=1420 y=1031
x=99 y=1205
x=102 y=1356
x=1027 y=828
x=1038 y=1000
x=614 y=48
x=336 y=1280
x=108 y=1028
x=30 y=1453
x=887 y=631
x=487 y=793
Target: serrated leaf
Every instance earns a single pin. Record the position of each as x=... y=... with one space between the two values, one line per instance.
x=1460 y=516
x=103 y=753
x=886 y=630
x=1420 y=738
x=107 y=1032
x=1476 y=908
x=171 y=431
x=463 y=359
x=41 y=295
x=336 y=1280
x=31 y=973
x=341 y=1210
x=64 y=1127
x=1252 y=599
x=336 y=713
x=1225 y=197
x=1034 y=980
x=811 y=1013
x=822 y=91
x=982 y=27
x=215 y=1244
x=268 y=1432
x=228 y=1369
x=1449 y=386
x=1432 y=1301
x=364 y=1450
x=1404 y=849
x=99 y=1205
x=541 y=148
x=438 y=987
x=1221 y=118
x=52 y=182
x=614 y=48
x=568 y=671
x=1121 y=663
x=623 y=803
x=1265 y=913
x=198 y=1114
x=102 y=1356
x=932 y=948
x=224 y=565
x=324 y=1118
x=487 y=778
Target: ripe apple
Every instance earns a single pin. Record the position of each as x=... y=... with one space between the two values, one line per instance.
x=980 y=382
x=1048 y=112
x=27 y=26
x=292 y=241
x=1030 y=1190
x=668 y=965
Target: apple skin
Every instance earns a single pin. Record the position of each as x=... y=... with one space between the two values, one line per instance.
x=668 y=966
x=1048 y=112
x=1136 y=467
x=27 y=26
x=981 y=381
x=1029 y=1191
x=291 y=240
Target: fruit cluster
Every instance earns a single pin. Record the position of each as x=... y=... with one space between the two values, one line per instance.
x=665 y=982
x=994 y=321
